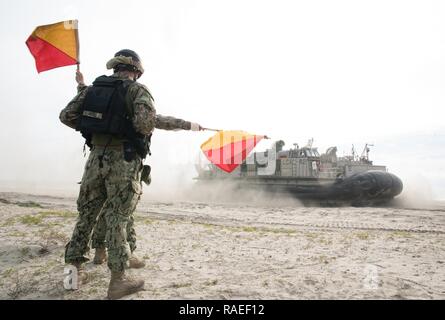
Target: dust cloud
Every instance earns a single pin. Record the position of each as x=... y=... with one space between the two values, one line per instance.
x=181 y=186
x=226 y=192
x=417 y=193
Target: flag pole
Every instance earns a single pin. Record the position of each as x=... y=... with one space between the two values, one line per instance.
x=217 y=130
x=76 y=28
x=208 y=129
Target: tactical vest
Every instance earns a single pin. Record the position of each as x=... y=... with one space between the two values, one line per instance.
x=104 y=111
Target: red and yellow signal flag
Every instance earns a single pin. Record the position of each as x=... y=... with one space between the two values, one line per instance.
x=55 y=45
x=228 y=149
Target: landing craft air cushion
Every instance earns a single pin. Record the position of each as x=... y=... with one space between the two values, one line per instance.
x=309 y=176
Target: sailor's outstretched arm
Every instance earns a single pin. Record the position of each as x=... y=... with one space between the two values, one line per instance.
x=171 y=123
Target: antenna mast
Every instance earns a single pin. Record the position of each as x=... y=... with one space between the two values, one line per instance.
x=365 y=153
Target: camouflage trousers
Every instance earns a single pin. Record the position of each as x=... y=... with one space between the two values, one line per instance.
x=109 y=192
x=100 y=232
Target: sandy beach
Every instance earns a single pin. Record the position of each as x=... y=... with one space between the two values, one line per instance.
x=197 y=250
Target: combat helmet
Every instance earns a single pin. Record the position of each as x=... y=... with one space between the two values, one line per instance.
x=126 y=60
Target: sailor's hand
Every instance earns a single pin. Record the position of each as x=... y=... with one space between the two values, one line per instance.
x=195 y=127
x=79 y=78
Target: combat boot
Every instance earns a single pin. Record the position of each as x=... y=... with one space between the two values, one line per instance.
x=121 y=285
x=100 y=256
x=82 y=275
x=135 y=262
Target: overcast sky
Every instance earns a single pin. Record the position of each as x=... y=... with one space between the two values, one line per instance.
x=341 y=72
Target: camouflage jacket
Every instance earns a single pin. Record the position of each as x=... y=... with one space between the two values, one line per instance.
x=141 y=106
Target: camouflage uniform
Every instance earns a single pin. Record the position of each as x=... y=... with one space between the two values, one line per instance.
x=100 y=232
x=100 y=229
x=112 y=190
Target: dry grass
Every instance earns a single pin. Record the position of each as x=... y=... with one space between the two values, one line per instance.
x=31 y=220
x=20 y=287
